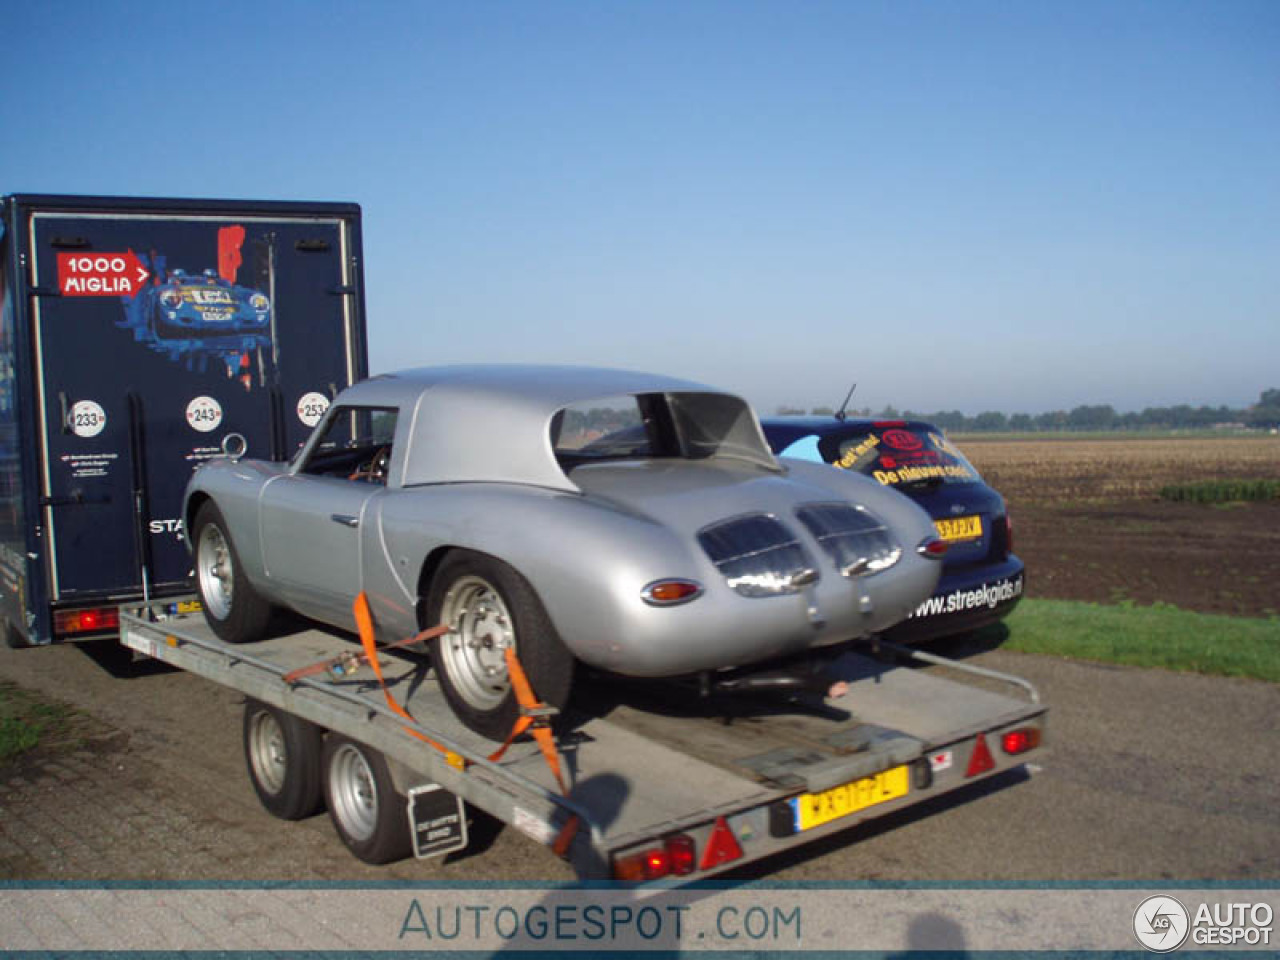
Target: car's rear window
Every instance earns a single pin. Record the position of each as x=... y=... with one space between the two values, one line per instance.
x=898 y=456
x=691 y=426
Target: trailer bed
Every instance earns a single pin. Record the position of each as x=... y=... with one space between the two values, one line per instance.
x=646 y=761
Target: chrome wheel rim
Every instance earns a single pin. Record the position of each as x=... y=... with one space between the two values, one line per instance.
x=267 y=752
x=474 y=649
x=215 y=572
x=353 y=796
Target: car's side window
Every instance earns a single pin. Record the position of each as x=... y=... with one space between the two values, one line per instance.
x=356 y=445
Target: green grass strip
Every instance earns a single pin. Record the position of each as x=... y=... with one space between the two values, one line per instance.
x=1222 y=491
x=1156 y=636
x=25 y=717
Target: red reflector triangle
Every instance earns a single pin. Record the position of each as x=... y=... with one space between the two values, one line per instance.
x=722 y=846
x=981 y=760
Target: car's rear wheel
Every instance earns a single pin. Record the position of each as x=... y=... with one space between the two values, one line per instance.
x=233 y=608
x=370 y=817
x=490 y=608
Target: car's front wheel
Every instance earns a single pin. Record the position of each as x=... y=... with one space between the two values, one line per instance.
x=233 y=608
x=490 y=608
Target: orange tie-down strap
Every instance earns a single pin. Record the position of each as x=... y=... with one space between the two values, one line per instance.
x=532 y=714
x=347 y=662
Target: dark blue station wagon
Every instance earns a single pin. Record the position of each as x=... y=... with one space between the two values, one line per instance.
x=982 y=579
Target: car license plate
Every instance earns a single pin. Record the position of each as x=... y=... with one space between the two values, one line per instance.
x=187 y=606
x=815 y=809
x=959 y=528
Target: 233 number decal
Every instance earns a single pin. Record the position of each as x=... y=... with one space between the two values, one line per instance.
x=86 y=418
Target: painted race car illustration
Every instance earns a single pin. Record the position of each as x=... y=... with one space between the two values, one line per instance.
x=201 y=317
x=635 y=523
x=982 y=578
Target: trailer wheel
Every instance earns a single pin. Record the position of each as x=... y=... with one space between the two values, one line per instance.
x=490 y=607
x=282 y=752
x=370 y=817
x=233 y=608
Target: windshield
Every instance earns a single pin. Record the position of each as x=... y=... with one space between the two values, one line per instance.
x=899 y=456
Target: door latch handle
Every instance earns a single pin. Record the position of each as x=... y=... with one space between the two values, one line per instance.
x=345 y=519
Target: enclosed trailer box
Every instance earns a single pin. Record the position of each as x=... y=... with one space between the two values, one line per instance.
x=137 y=337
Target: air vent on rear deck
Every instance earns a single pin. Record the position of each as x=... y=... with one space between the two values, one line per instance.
x=853 y=536
x=758 y=556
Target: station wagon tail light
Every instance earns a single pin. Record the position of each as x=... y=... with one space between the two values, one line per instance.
x=1020 y=741
x=670 y=593
x=94 y=620
x=932 y=547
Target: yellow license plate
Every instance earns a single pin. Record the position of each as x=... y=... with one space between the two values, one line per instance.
x=959 y=528
x=815 y=809
x=188 y=606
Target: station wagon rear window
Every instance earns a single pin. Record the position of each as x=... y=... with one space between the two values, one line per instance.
x=898 y=455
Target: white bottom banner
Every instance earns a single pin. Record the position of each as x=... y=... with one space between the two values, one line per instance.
x=758 y=919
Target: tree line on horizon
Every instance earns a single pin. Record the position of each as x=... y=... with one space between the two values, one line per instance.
x=1264 y=415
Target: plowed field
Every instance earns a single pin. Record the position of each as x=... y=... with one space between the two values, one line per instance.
x=1090 y=524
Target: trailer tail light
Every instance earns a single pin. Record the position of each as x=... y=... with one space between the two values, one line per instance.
x=981 y=760
x=722 y=847
x=676 y=856
x=656 y=864
x=630 y=869
x=1020 y=741
x=95 y=620
x=683 y=853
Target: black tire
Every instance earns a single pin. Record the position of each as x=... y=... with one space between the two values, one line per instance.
x=489 y=605
x=370 y=817
x=282 y=752
x=231 y=606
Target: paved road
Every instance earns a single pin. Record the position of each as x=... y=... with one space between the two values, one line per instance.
x=1151 y=776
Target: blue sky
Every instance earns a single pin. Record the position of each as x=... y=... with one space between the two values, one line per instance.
x=1012 y=206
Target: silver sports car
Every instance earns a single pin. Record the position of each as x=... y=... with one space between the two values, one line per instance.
x=635 y=523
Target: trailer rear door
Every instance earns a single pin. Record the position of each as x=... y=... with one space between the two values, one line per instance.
x=157 y=336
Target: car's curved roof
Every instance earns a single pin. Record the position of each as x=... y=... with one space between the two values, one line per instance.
x=537 y=385
x=492 y=422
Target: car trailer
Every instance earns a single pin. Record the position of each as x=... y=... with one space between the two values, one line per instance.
x=660 y=788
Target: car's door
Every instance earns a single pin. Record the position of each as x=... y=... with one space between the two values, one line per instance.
x=311 y=518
